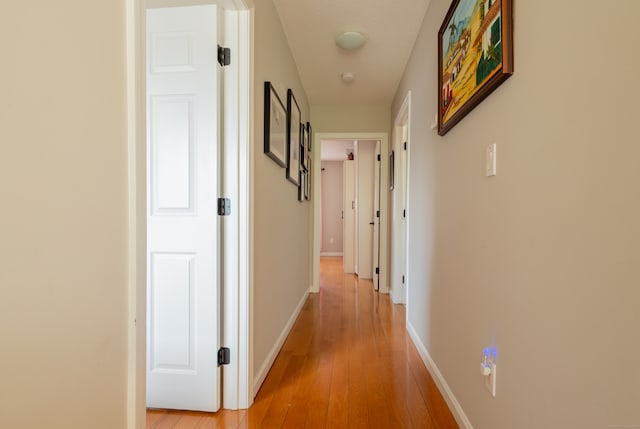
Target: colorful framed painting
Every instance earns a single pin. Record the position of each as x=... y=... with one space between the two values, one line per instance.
x=475 y=55
x=293 y=139
x=275 y=126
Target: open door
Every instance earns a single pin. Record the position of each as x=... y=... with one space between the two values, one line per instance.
x=376 y=217
x=182 y=224
x=349 y=216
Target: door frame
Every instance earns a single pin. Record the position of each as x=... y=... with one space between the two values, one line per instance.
x=384 y=198
x=403 y=119
x=377 y=191
x=238 y=132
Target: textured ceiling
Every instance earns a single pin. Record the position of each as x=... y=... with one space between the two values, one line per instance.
x=311 y=26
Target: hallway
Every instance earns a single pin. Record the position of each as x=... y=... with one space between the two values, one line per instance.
x=348 y=362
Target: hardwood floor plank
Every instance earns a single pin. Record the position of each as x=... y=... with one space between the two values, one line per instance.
x=347 y=363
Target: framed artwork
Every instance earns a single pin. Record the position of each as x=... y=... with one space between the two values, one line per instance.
x=275 y=126
x=303 y=146
x=303 y=184
x=293 y=139
x=309 y=139
x=309 y=135
x=307 y=183
x=475 y=55
x=392 y=169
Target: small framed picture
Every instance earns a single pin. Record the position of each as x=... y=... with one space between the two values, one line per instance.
x=304 y=159
x=307 y=182
x=302 y=185
x=275 y=126
x=293 y=139
x=309 y=134
x=392 y=169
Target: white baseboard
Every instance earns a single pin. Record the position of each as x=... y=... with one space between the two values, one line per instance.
x=331 y=254
x=452 y=402
x=273 y=353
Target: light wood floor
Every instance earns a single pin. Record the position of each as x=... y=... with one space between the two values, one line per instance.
x=348 y=363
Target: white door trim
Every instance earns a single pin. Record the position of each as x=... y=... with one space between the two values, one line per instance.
x=384 y=198
x=403 y=118
x=241 y=367
x=237 y=388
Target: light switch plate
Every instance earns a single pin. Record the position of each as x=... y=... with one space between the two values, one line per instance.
x=490 y=168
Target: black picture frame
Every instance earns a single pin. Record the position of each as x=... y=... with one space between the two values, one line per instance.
x=309 y=134
x=307 y=182
x=301 y=186
x=392 y=170
x=275 y=126
x=303 y=147
x=293 y=139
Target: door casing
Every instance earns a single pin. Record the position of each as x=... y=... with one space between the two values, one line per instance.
x=384 y=201
x=400 y=202
x=238 y=391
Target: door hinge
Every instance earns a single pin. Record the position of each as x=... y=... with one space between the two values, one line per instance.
x=378 y=157
x=224 y=206
x=224 y=56
x=377 y=213
x=405 y=145
x=224 y=356
x=402 y=279
x=377 y=270
x=404 y=214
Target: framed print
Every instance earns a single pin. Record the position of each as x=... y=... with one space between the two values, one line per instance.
x=392 y=169
x=275 y=126
x=293 y=139
x=303 y=146
x=309 y=135
x=475 y=55
x=309 y=139
x=307 y=182
x=302 y=185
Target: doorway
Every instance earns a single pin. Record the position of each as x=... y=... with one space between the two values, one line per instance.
x=364 y=213
x=235 y=185
x=400 y=203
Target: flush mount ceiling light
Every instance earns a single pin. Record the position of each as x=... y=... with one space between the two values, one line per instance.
x=348 y=77
x=351 y=40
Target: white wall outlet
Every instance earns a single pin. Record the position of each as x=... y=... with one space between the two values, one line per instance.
x=490 y=161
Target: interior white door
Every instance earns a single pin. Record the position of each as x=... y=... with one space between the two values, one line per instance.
x=349 y=216
x=182 y=176
x=376 y=217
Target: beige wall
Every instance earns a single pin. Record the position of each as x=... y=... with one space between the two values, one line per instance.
x=541 y=260
x=63 y=245
x=350 y=118
x=331 y=206
x=281 y=231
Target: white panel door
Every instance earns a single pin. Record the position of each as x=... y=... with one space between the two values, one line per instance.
x=182 y=177
x=364 y=209
x=349 y=216
x=376 y=217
